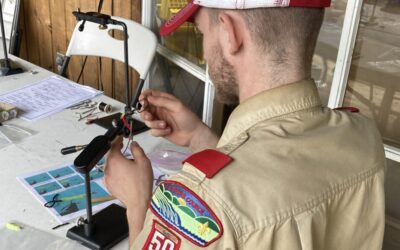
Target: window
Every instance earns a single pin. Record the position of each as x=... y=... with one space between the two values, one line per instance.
x=327 y=47
x=374 y=79
x=366 y=75
x=180 y=68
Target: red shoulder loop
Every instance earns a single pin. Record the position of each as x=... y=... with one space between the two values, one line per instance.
x=351 y=109
x=209 y=161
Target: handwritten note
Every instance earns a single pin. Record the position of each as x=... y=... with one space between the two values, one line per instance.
x=47 y=97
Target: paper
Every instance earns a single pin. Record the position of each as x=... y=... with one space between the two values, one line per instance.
x=28 y=237
x=65 y=182
x=47 y=97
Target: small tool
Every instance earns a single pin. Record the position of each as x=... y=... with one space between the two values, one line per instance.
x=72 y=149
x=60 y=225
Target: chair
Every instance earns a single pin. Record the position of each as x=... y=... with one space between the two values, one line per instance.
x=96 y=41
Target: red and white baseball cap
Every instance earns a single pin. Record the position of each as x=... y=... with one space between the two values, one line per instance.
x=187 y=12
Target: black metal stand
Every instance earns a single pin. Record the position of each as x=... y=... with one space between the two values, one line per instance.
x=102 y=230
x=6 y=67
x=109 y=226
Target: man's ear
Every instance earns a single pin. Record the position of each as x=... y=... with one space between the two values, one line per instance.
x=230 y=33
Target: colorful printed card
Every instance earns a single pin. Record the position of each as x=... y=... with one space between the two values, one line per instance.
x=66 y=186
x=62 y=189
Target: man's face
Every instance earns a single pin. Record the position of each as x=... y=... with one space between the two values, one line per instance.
x=221 y=72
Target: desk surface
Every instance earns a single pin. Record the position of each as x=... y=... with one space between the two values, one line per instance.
x=42 y=150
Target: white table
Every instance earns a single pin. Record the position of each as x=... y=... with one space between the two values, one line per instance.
x=42 y=150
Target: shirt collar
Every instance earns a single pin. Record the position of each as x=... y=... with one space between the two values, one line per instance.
x=269 y=104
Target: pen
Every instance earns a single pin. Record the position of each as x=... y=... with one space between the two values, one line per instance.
x=72 y=149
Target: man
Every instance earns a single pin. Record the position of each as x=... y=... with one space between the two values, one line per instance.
x=287 y=173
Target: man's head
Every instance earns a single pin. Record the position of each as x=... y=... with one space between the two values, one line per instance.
x=254 y=42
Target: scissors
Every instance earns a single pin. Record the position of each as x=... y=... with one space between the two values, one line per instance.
x=53 y=202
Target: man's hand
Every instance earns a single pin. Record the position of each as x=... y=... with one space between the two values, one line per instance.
x=168 y=117
x=131 y=182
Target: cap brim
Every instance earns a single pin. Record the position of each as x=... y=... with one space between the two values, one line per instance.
x=179 y=18
x=310 y=3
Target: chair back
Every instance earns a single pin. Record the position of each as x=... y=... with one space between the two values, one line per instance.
x=94 y=41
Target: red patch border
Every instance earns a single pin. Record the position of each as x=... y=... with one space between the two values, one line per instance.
x=153 y=228
x=172 y=227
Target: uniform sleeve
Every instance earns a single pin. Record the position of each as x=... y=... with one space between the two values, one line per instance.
x=182 y=216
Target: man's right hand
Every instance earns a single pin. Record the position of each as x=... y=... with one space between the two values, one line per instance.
x=168 y=117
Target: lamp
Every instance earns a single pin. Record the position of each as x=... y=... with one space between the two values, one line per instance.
x=5 y=64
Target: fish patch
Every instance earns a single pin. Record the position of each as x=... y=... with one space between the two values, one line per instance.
x=161 y=238
x=182 y=210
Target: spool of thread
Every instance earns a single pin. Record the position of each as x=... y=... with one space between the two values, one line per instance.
x=104 y=107
x=5 y=115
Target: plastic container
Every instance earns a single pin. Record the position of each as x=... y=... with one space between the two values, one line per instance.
x=168 y=159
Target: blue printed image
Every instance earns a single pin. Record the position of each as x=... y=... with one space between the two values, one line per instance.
x=60 y=172
x=96 y=174
x=102 y=161
x=47 y=188
x=71 y=181
x=74 y=199
x=37 y=179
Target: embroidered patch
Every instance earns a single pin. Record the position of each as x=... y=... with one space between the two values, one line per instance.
x=161 y=238
x=182 y=210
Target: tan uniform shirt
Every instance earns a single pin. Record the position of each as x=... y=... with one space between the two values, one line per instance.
x=301 y=177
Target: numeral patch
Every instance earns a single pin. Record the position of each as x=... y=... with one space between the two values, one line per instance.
x=160 y=238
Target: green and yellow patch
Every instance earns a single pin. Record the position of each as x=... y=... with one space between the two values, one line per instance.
x=181 y=209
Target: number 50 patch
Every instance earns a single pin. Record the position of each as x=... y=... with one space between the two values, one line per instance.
x=160 y=238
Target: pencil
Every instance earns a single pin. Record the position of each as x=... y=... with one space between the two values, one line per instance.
x=101 y=199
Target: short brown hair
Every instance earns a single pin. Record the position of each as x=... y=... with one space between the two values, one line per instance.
x=278 y=30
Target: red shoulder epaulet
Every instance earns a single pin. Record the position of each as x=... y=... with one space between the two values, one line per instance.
x=351 y=109
x=209 y=161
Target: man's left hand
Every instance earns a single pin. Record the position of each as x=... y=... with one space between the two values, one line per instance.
x=130 y=181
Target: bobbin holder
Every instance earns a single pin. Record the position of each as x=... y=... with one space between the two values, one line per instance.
x=109 y=226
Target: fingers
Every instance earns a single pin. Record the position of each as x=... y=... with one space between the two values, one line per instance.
x=114 y=154
x=147 y=116
x=156 y=124
x=153 y=92
x=118 y=141
x=159 y=128
x=165 y=102
x=161 y=132
x=116 y=145
x=158 y=99
x=138 y=153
